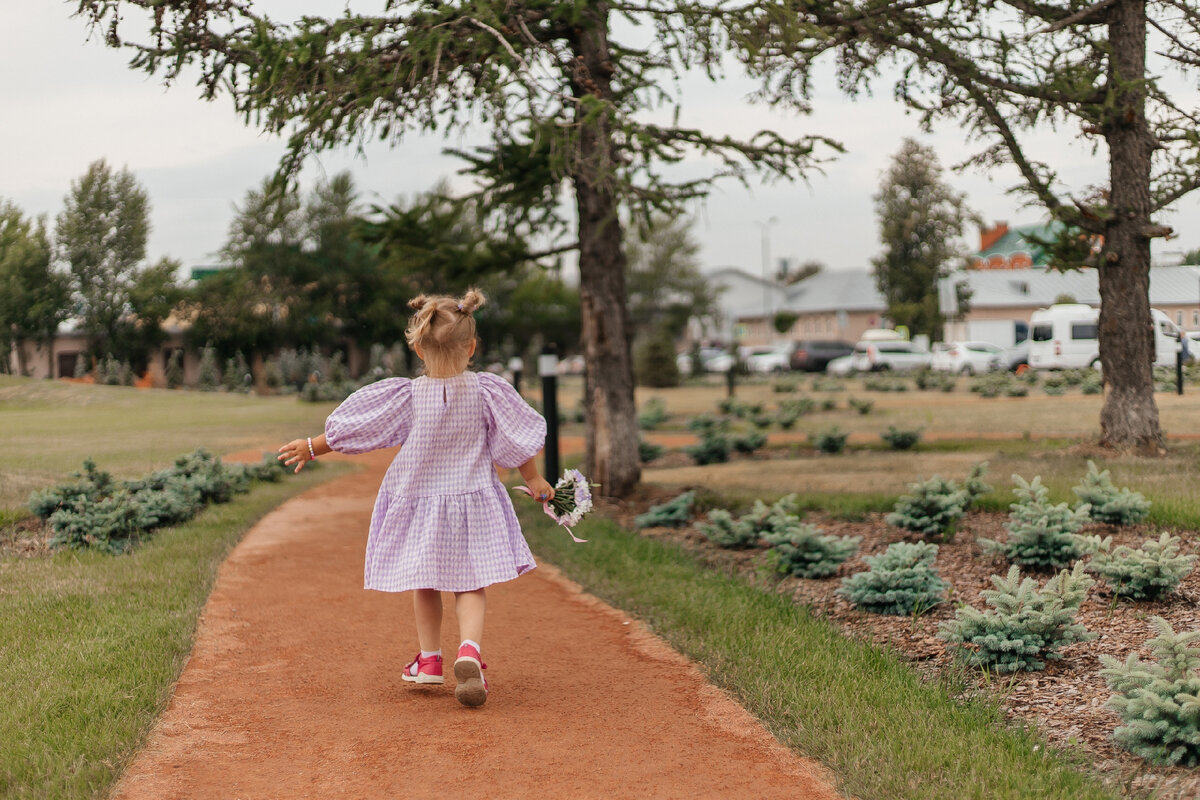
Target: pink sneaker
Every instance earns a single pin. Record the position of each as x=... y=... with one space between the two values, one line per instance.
x=472 y=689
x=424 y=670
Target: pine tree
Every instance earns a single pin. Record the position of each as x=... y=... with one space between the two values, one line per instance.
x=920 y=221
x=1159 y=702
x=565 y=100
x=1025 y=626
x=1004 y=70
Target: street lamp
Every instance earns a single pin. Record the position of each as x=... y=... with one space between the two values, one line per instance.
x=766 y=271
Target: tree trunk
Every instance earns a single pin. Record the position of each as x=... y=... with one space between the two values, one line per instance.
x=612 y=458
x=1129 y=419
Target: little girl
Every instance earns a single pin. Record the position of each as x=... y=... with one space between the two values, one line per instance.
x=443 y=521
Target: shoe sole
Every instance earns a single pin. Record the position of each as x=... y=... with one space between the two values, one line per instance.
x=424 y=678
x=470 y=690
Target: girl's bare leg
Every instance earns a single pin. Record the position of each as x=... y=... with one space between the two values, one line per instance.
x=427 y=603
x=469 y=607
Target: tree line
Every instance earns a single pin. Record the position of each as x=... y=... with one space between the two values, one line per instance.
x=311 y=271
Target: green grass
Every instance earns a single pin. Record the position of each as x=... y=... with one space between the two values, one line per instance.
x=91 y=644
x=883 y=731
x=50 y=427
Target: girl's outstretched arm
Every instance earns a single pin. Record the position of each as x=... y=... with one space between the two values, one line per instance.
x=539 y=489
x=297 y=451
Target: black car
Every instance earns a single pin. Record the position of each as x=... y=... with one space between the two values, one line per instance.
x=811 y=355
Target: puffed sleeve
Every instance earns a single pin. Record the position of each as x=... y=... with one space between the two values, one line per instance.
x=516 y=433
x=376 y=416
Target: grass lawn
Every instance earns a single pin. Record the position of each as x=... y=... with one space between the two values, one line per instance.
x=957 y=414
x=861 y=711
x=50 y=427
x=90 y=645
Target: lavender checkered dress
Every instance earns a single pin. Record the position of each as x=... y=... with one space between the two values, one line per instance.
x=443 y=519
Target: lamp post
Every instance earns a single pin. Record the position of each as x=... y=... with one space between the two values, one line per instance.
x=766 y=272
x=548 y=370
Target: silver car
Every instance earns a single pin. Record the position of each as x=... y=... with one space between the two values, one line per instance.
x=898 y=355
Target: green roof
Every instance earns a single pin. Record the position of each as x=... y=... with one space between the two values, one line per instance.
x=1024 y=240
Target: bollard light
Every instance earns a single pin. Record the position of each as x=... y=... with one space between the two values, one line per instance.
x=548 y=370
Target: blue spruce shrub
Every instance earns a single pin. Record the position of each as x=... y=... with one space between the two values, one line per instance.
x=1108 y=504
x=1041 y=535
x=800 y=549
x=1025 y=627
x=901 y=580
x=1145 y=573
x=1159 y=700
x=672 y=514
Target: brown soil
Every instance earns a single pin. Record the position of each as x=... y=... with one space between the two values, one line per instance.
x=293 y=690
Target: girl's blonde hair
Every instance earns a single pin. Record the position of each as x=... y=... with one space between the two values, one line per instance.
x=444 y=327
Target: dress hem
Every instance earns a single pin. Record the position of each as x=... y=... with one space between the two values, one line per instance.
x=524 y=570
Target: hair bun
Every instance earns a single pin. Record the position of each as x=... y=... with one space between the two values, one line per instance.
x=471 y=301
x=418 y=302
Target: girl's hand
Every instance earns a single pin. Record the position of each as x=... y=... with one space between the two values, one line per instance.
x=295 y=452
x=539 y=489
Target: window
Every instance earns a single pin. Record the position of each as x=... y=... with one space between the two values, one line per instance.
x=1196 y=319
x=1043 y=333
x=1083 y=330
x=1021 y=332
x=1178 y=317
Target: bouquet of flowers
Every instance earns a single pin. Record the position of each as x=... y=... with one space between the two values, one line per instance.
x=572 y=499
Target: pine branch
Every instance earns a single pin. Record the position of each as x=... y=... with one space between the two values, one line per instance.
x=1092 y=15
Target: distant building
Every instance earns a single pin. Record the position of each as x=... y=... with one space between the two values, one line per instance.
x=741 y=296
x=1005 y=248
x=832 y=304
x=1016 y=294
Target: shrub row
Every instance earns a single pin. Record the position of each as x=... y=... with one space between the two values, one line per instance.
x=96 y=511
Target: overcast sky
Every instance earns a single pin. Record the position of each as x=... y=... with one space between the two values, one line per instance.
x=67 y=101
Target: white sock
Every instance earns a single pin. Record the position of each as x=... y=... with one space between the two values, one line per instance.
x=473 y=643
x=431 y=653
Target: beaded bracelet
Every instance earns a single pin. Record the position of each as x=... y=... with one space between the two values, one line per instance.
x=312 y=454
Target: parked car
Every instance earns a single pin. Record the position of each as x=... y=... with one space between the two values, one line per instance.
x=713 y=359
x=899 y=355
x=841 y=366
x=769 y=358
x=813 y=355
x=968 y=358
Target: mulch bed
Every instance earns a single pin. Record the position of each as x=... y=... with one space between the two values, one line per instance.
x=1066 y=700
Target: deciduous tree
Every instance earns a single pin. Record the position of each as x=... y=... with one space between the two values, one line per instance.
x=101 y=235
x=34 y=298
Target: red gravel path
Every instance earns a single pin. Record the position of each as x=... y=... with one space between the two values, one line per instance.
x=293 y=690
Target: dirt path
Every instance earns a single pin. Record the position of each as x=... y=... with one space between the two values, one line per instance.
x=293 y=690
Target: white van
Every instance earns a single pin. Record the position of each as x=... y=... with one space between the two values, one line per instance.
x=1066 y=336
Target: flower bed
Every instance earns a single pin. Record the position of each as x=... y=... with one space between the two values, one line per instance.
x=1066 y=699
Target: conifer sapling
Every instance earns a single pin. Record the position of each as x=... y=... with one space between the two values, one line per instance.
x=1145 y=573
x=1159 y=701
x=1025 y=626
